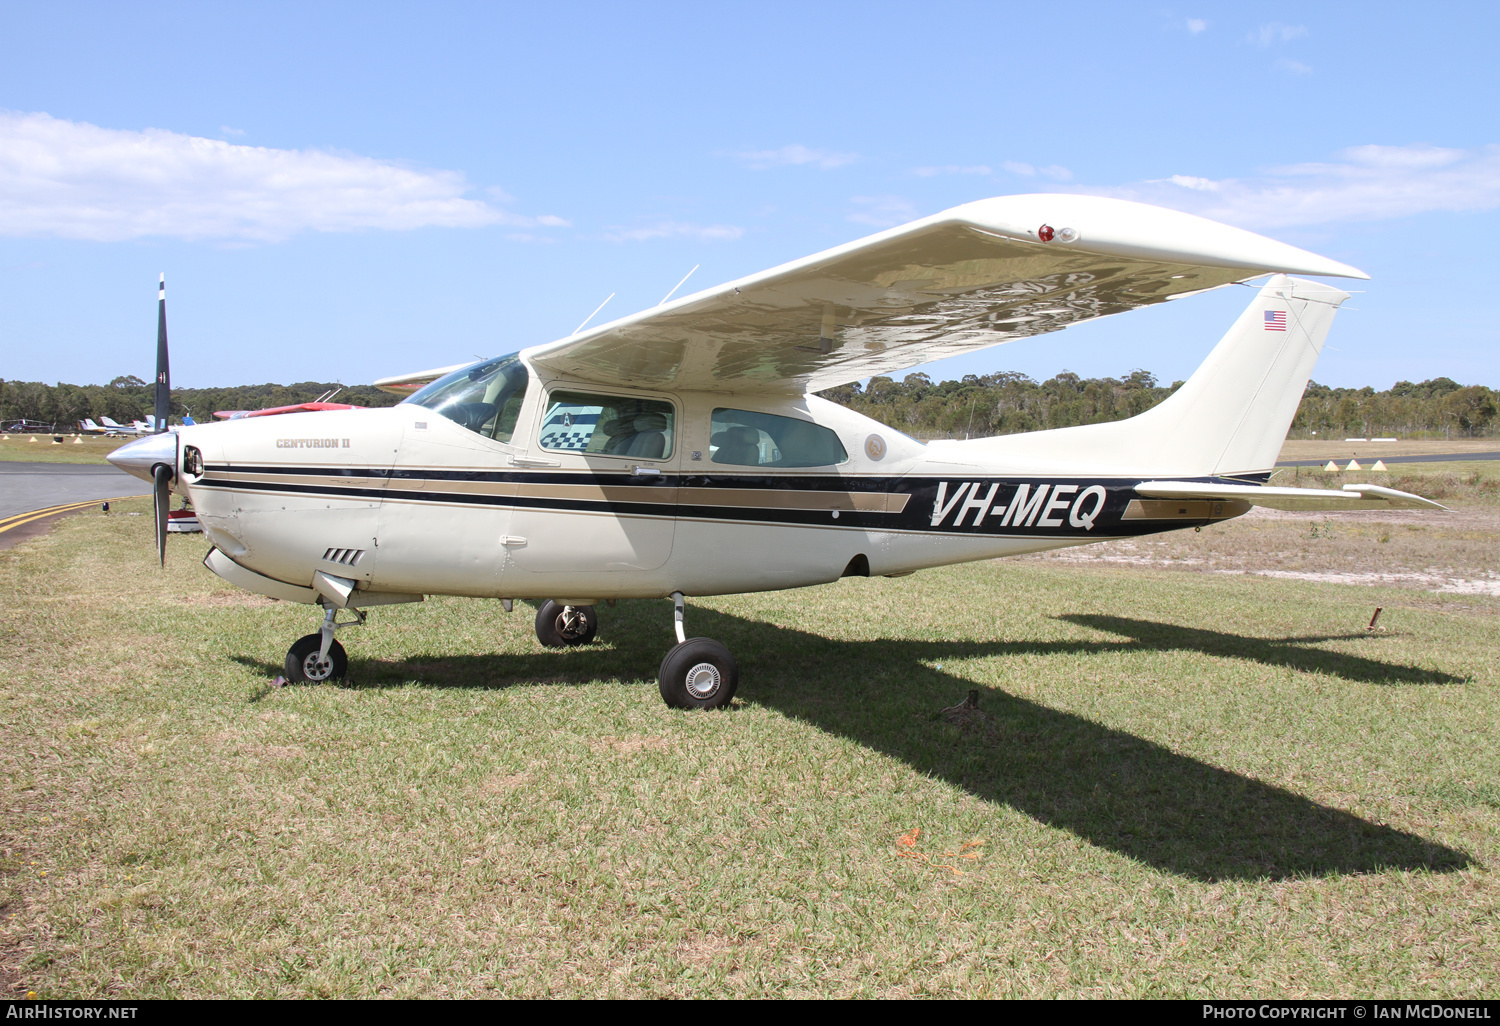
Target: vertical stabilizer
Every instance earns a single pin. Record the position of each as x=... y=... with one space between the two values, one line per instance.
x=1230 y=417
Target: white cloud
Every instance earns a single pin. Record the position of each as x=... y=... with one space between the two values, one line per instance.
x=67 y=179
x=1368 y=183
x=1196 y=25
x=1276 y=32
x=1292 y=67
x=676 y=230
x=952 y=169
x=882 y=211
x=795 y=155
x=1189 y=182
x=226 y=130
x=1015 y=167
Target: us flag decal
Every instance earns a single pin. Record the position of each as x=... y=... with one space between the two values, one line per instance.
x=1275 y=320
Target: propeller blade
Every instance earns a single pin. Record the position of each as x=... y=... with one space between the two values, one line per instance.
x=163 y=373
x=162 y=489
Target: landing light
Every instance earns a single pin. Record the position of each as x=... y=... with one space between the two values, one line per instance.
x=1067 y=235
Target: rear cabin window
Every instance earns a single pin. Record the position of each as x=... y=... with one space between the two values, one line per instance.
x=740 y=438
x=603 y=425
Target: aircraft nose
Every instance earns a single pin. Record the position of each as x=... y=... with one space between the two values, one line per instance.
x=138 y=458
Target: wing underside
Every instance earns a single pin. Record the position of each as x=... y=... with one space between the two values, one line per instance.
x=969 y=278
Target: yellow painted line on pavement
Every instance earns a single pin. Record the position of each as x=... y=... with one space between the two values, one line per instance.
x=22 y=519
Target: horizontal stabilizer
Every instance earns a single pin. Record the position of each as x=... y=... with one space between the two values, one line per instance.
x=1353 y=496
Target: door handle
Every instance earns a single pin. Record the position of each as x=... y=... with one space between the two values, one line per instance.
x=645 y=472
x=533 y=461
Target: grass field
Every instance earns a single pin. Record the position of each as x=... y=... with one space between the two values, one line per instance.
x=44 y=450
x=1176 y=784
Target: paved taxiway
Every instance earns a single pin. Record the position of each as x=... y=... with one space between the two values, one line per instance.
x=32 y=495
x=28 y=486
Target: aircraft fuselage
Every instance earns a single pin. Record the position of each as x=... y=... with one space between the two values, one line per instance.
x=406 y=500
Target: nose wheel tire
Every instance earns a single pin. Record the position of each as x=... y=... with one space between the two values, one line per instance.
x=559 y=626
x=698 y=674
x=304 y=666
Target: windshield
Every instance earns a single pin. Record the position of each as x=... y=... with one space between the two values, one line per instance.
x=485 y=398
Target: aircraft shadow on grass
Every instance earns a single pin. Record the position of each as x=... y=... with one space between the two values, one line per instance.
x=1109 y=787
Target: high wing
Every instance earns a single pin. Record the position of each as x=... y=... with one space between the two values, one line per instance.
x=1353 y=496
x=971 y=277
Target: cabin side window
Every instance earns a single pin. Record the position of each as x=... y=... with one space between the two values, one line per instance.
x=485 y=398
x=604 y=425
x=740 y=438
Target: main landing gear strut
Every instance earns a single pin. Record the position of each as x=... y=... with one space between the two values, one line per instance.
x=698 y=673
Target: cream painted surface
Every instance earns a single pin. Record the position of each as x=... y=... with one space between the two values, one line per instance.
x=568 y=542
x=285 y=536
x=443 y=547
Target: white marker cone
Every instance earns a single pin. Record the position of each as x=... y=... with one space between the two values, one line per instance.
x=1353 y=465
x=1379 y=465
x=1332 y=468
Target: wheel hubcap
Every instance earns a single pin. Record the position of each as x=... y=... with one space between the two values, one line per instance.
x=703 y=680
x=316 y=669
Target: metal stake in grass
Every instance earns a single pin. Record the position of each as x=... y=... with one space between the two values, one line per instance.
x=1371 y=625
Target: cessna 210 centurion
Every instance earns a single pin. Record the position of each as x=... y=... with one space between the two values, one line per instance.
x=681 y=451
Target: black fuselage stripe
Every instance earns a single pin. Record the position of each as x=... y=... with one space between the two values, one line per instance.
x=910 y=521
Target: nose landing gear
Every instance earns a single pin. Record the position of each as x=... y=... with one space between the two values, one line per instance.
x=316 y=658
x=698 y=673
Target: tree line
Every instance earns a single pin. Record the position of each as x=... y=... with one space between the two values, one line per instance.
x=1007 y=402
x=972 y=407
x=128 y=398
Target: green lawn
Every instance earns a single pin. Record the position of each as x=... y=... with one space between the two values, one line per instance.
x=1182 y=785
x=41 y=449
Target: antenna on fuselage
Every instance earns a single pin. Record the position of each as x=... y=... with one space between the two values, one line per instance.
x=596 y=310
x=685 y=277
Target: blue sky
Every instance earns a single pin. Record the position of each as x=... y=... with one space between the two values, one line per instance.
x=342 y=192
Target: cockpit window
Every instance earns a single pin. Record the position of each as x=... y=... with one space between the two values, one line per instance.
x=485 y=398
x=606 y=425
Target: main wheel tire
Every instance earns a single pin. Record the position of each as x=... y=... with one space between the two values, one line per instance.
x=559 y=626
x=698 y=674
x=303 y=665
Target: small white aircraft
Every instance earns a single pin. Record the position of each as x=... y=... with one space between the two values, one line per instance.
x=110 y=428
x=680 y=451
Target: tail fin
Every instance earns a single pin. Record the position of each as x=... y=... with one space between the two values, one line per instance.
x=1231 y=416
